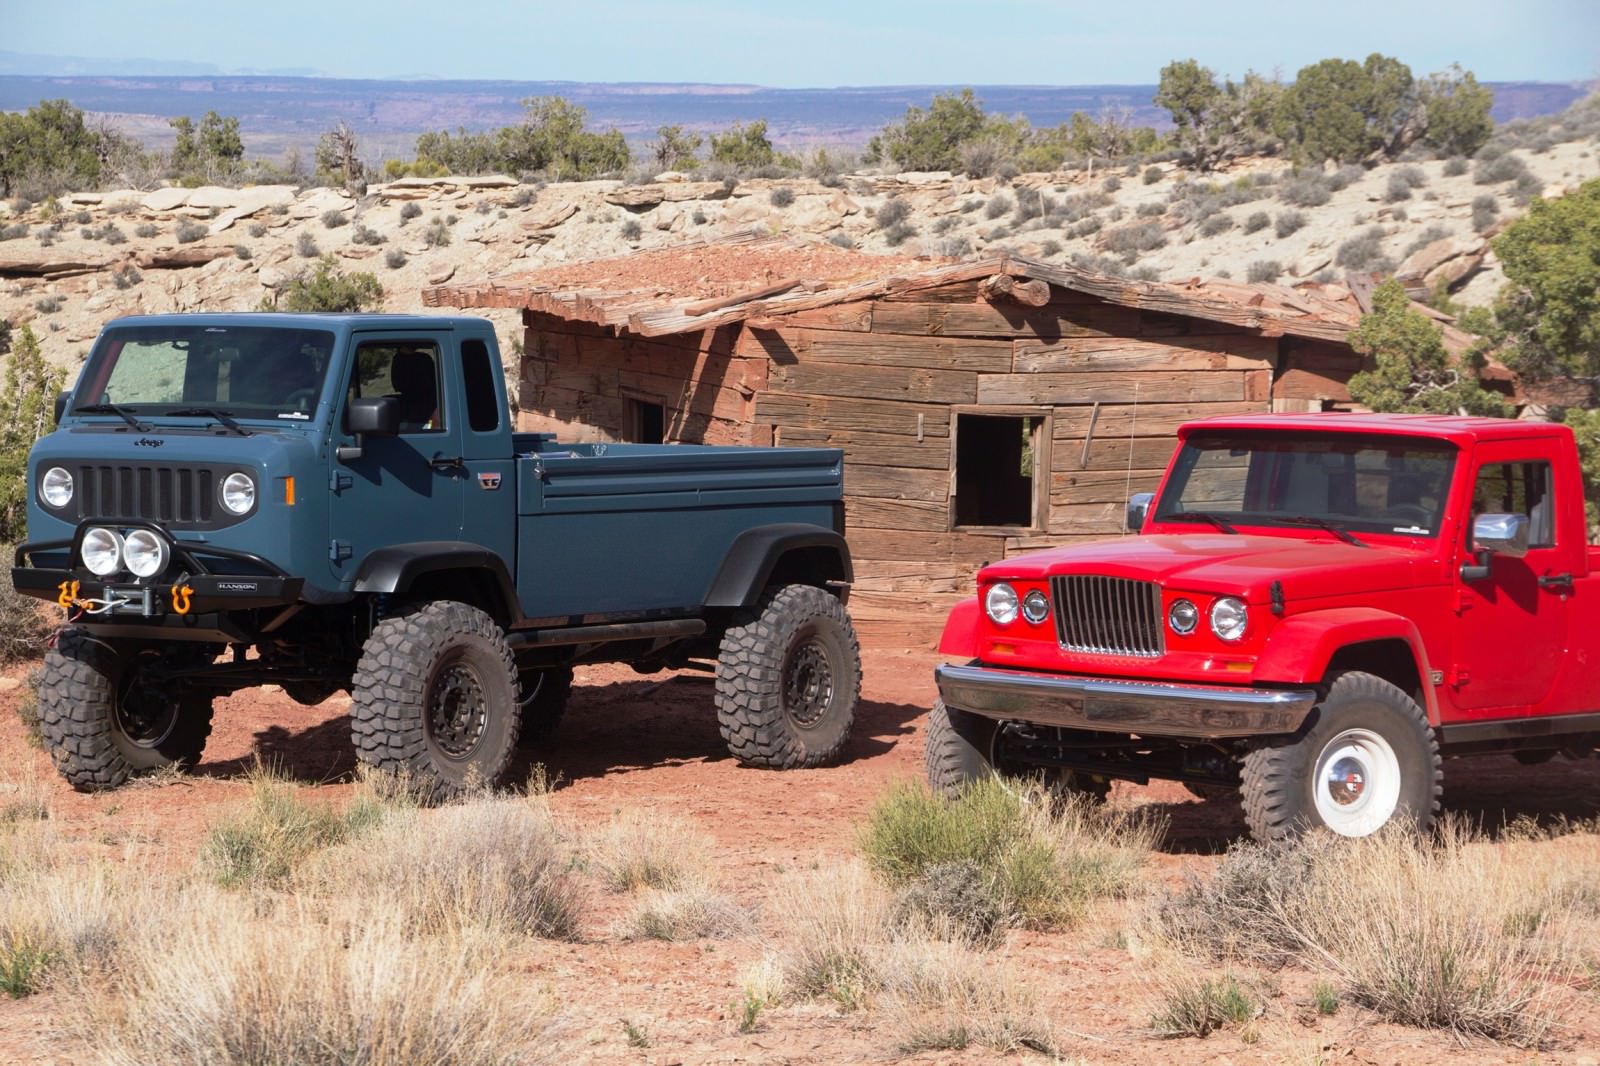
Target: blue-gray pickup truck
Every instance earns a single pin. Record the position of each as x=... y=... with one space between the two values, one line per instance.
x=328 y=502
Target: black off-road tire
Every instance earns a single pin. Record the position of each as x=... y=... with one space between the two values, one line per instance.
x=788 y=677
x=101 y=725
x=544 y=695
x=1366 y=758
x=961 y=750
x=434 y=698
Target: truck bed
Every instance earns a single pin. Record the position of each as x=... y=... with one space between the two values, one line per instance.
x=656 y=520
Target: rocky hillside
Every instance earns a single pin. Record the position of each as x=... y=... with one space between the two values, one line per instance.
x=69 y=266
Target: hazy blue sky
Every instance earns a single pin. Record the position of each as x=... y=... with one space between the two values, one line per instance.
x=820 y=43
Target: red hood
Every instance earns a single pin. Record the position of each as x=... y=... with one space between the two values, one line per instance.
x=1241 y=565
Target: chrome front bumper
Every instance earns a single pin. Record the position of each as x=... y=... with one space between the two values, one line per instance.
x=1149 y=708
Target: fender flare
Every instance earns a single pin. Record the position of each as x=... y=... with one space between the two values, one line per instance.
x=397 y=567
x=960 y=636
x=755 y=553
x=1299 y=648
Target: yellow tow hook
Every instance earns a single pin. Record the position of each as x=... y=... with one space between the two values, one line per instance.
x=69 y=594
x=180 y=598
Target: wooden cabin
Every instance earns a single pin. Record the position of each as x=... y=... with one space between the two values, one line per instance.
x=984 y=407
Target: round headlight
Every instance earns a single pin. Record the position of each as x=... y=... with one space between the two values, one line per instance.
x=146 y=553
x=1035 y=607
x=101 y=549
x=1183 y=616
x=1228 y=618
x=1000 y=602
x=238 y=492
x=55 y=488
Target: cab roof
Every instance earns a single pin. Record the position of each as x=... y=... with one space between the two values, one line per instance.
x=1458 y=429
x=341 y=323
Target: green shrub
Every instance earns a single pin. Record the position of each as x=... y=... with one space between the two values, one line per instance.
x=126 y=277
x=242 y=251
x=394 y=259
x=1498 y=170
x=1346 y=176
x=841 y=240
x=1217 y=223
x=145 y=230
x=1151 y=175
x=1150 y=210
x=437 y=235
x=1425 y=238
x=333 y=218
x=363 y=234
x=1198 y=1006
x=631 y=230
x=1257 y=221
x=1455 y=166
x=1130 y=239
x=305 y=246
x=13 y=231
x=47 y=304
x=781 y=196
x=412 y=210
x=327 y=289
x=998 y=205
x=1264 y=270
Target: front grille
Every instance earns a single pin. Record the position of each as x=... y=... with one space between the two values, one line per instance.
x=175 y=496
x=1108 y=615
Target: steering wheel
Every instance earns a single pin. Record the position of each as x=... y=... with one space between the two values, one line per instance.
x=300 y=399
x=1411 y=513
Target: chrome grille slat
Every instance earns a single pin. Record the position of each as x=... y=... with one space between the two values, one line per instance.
x=1102 y=615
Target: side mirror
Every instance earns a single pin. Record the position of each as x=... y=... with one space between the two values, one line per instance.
x=1495 y=534
x=377 y=415
x=1503 y=534
x=61 y=405
x=1138 y=510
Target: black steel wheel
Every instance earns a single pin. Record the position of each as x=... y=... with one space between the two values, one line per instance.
x=109 y=709
x=787 y=680
x=434 y=698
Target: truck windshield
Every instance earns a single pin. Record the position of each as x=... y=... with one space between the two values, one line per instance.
x=1339 y=481
x=230 y=371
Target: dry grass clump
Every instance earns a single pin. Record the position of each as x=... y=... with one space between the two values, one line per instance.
x=230 y=989
x=1002 y=854
x=491 y=864
x=646 y=849
x=841 y=941
x=24 y=627
x=938 y=995
x=263 y=845
x=1450 y=933
x=62 y=920
x=689 y=912
x=1199 y=1003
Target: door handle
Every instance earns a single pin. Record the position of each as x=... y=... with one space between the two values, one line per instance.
x=447 y=463
x=1556 y=581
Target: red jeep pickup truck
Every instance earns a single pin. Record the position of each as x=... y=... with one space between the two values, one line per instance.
x=1317 y=610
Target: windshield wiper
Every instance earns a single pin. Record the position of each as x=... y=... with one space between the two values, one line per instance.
x=1199 y=516
x=111 y=409
x=1322 y=523
x=222 y=417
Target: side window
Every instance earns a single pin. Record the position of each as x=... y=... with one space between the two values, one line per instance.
x=483 y=410
x=1518 y=488
x=408 y=371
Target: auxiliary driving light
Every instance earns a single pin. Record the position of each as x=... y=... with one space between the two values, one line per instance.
x=101 y=549
x=144 y=553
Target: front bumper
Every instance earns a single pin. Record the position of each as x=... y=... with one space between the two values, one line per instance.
x=1148 y=708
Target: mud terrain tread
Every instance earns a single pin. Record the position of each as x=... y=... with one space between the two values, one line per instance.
x=77 y=717
x=1273 y=784
x=388 y=695
x=954 y=755
x=750 y=682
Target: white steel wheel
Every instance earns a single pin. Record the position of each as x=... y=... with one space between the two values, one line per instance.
x=1356 y=788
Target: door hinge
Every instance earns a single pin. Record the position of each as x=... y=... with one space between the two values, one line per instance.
x=339 y=481
x=339 y=551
